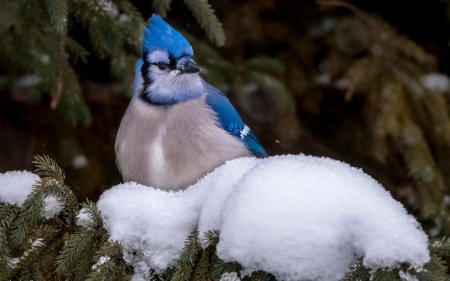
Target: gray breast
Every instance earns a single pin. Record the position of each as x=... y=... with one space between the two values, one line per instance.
x=171 y=147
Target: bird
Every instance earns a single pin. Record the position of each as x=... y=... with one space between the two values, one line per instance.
x=177 y=128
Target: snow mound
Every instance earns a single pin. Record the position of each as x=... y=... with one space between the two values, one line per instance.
x=15 y=186
x=304 y=217
x=151 y=224
x=299 y=217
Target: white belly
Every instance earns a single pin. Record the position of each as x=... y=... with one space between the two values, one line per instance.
x=158 y=173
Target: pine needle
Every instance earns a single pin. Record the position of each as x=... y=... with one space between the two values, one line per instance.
x=208 y=20
x=161 y=7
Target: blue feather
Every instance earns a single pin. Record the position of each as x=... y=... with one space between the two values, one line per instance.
x=231 y=122
x=160 y=35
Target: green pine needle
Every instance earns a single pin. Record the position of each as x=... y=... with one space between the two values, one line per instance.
x=188 y=259
x=57 y=11
x=208 y=20
x=161 y=7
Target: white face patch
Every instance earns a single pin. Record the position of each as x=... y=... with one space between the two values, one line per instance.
x=159 y=56
x=170 y=84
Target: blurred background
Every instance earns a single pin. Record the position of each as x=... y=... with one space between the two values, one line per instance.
x=363 y=82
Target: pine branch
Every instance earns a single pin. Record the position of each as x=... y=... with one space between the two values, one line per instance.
x=47 y=167
x=386 y=275
x=33 y=208
x=357 y=272
x=209 y=258
x=79 y=250
x=94 y=214
x=7 y=215
x=208 y=20
x=436 y=269
x=77 y=51
x=439 y=246
x=57 y=11
x=110 y=264
x=81 y=247
x=43 y=245
x=222 y=267
x=188 y=259
x=161 y=7
x=52 y=184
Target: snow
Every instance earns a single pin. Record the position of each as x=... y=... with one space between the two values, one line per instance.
x=15 y=187
x=29 y=80
x=52 y=207
x=315 y=213
x=230 y=276
x=323 y=79
x=101 y=261
x=79 y=161
x=299 y=217
x=436 y=81
x=83 y=218
x=150 y=223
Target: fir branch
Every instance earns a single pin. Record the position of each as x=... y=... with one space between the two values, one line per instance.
x=113 y=267
x=188 y=259
x=208 y=20
x=209 y=258
x=57 y=11
x=386 y=275
x=78 y=253
x=439 y=246
x=47 y=167
x=52 y=184
x=222 y=267
x=33 y=208
x=76 y=50
x=436 y=269
x=73 y=99
x=79 y=248
x=161 y=7
x=358 y=272
x=7 y=215
x=43 y=245
x=153 y=276
x=103 y=30
x=94 y=214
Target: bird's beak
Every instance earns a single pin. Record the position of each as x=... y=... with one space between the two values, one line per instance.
x=190 y=67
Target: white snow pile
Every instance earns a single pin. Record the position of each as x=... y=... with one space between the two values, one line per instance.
x=299 y=217
x=436 y=82
x=15 y=186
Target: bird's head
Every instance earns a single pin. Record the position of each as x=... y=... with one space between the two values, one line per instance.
x=166 y=73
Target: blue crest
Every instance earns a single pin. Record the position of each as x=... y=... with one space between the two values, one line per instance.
x=160 y=35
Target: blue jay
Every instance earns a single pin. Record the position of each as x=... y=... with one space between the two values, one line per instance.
x=177 y=127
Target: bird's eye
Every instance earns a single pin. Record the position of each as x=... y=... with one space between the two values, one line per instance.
x=161 y=65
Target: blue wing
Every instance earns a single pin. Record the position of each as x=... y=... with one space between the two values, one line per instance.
x=231 y=122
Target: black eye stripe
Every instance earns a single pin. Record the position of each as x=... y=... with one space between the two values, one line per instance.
x=158 y=63
x=161 y=65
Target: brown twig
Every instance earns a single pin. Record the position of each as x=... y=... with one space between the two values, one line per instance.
x=56 y=97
